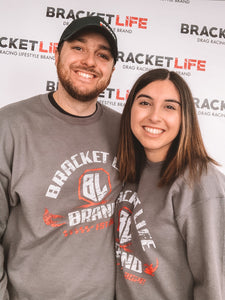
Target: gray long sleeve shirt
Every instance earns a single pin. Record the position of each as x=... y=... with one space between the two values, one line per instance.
x=170 y=240
x=58 y=185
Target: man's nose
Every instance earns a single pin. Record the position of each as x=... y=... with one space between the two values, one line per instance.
x=89 y=59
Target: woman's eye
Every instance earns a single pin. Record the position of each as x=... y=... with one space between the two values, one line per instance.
x=170 y=107
x=144 y=103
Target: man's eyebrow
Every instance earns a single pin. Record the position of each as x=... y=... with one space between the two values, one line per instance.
x=101 y=46
x=149 y=97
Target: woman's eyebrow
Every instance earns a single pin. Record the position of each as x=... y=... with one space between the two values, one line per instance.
x=149 y=97
x=172 y=100
x=145 y=96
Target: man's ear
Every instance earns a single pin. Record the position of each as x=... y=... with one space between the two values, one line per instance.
x=56 y=57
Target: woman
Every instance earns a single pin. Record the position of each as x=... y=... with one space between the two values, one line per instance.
x=170 y=223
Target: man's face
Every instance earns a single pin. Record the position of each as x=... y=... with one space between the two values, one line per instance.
x=85 y=66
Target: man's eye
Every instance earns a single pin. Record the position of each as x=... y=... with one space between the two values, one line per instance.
x=77 y=48
x=104 y=56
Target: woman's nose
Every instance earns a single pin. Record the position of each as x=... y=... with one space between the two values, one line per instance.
x=155 y=114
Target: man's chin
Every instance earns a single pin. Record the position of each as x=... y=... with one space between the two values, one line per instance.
x=84 y=97
x=83 y=94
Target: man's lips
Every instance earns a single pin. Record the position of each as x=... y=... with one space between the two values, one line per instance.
x=85 y=75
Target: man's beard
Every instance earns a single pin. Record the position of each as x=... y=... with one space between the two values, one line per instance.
x=74 y=91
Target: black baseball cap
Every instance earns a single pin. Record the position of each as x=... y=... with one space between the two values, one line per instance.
x=95 y=23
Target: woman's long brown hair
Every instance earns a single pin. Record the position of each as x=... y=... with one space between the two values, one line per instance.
x=186 y=151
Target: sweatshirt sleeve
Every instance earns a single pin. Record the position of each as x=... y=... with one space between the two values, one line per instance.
x=6 y=150
x=202 y=224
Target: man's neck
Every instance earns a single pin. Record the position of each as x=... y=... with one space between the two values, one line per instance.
x=73 y=106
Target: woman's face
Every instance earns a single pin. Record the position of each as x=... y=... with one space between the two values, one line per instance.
x=156 y=118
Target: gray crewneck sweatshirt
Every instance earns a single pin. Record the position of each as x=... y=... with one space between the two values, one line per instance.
x=170 y=240
x=58 y=185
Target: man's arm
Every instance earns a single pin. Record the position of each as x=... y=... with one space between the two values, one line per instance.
x=6 y=157
x=4 y=214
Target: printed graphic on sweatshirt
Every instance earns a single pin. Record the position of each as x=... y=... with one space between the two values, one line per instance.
x=131 y=221
x=91 y=190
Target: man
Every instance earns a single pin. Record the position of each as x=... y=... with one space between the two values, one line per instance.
x=58 y=180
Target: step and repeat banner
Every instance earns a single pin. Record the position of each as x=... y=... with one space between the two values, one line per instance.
x=185 y=36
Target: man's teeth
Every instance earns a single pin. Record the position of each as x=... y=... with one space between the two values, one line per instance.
x=153 y=130
x=85 y=75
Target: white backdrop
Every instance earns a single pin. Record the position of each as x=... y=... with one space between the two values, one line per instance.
x=186 y=36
